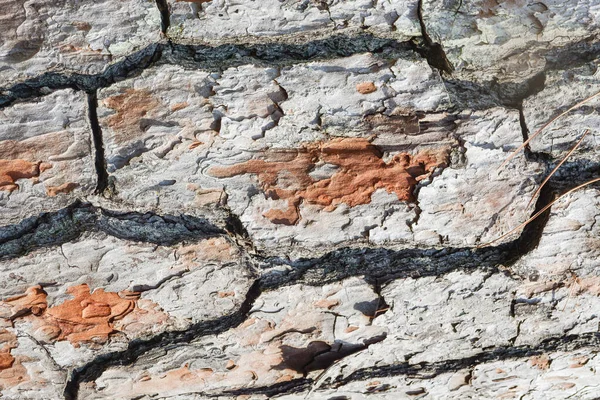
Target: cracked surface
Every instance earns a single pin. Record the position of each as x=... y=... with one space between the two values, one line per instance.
x=242 y=200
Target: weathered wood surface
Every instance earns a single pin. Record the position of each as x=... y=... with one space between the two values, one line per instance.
x=288 y=199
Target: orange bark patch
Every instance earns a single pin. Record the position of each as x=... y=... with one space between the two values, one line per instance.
x=32 y=302
x=64 y=188
x=361 y=170
x=89 y=316
x=366 y=88
x=11 y=170
x=12 y=371
x=8 y=341
x=130 y=106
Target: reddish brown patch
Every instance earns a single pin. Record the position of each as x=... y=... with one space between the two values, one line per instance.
x=12 y=371
x=45 y=167
x=14 y=375
x=361 y=170
x=32 y=302
x=130 y=107
x=11 y=170
x=64 y=188
x=366 y=87
x=88 y=317
x=8 y=341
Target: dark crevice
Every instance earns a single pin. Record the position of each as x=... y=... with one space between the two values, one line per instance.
x=426 y=370
x=56 y=228
x=524 y=133
x=294 y=386
x=573 y=55
x=512 y=95
x=136 y=348
x=574 y=173
x=489 y=94
x=381 y=306
x=433 y=52
x=52 y=81
x=207 y=58
x=235 y=228
x=165 y=17
x=100 y=160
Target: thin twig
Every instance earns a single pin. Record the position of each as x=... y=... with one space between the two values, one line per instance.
x=537 y=214
x=525 y=143
x=558 y=166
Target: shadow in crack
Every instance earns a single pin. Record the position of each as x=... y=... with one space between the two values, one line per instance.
x=318 y=355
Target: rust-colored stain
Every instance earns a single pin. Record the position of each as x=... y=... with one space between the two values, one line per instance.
x=366 y=87
x=130 y=106
x=8 y=341
x=360 y=171
x=12 y=371
x=64 y=188
x=87 y=318
x=12 y=170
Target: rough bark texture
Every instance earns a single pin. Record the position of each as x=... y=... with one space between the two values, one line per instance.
x=295 y=199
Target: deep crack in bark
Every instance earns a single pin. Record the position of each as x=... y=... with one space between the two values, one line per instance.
x=165 y=17
x=99 y=159
x=433 y=52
